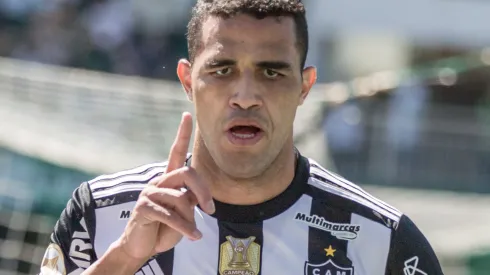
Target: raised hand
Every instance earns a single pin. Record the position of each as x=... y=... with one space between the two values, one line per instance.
x=164 y=212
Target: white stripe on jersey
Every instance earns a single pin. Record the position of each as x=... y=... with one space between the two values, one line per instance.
x=156 y=268
x=352 y=187
x=199 y=257
x=369 y=251
x=133 y=171
x=128 y=179
x=357 y=192
x=77 y=271
x=118 y=190
x=286 y=241
x=326 y=186
x=109 y=225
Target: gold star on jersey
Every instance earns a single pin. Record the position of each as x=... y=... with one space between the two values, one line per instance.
x=330 y=251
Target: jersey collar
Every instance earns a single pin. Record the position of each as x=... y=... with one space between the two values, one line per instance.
x=268 y=209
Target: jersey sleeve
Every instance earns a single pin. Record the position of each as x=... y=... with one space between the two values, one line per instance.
x=411 y=253
x=70 y=250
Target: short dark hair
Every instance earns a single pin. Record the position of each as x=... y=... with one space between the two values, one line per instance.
x=257 y=8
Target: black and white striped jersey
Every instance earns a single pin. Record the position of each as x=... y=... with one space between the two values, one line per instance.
x=321 y=224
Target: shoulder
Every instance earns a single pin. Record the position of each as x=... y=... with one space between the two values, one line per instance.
x=126 y=181
x=341 y=194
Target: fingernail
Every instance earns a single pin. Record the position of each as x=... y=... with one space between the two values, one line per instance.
x=196 y=234
x=211 y=207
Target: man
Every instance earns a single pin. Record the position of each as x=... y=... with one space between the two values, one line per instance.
x=245 y=201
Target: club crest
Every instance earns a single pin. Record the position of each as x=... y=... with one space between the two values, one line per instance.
x=327 y=268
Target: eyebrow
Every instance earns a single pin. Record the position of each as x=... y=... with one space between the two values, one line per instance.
x=217 y=63
x=276 y=65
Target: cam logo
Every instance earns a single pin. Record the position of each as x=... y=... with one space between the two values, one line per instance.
x=342 y=231
x=327 y=268
x=53 y=261
x=239 y=257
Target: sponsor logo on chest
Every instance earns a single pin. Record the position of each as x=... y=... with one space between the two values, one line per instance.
x=342 y=231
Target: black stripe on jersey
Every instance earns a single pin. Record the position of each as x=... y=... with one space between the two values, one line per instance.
x=75 y=230
x=240 y=230
x=166 y=257
x=319 y=240
x=348 y=205
x=88 y=210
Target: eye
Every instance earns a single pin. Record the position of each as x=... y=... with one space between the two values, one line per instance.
x=223 y=72
x=271 y=73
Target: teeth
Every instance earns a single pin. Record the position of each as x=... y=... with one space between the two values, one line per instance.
x=243 y=136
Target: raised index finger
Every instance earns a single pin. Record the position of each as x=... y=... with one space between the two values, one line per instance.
x=180 y=147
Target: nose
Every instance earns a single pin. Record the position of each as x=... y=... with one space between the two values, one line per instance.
x=246 y=94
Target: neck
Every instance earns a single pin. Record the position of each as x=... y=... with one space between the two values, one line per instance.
x=226 y=189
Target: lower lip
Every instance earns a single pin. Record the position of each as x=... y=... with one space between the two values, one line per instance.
x=244 y=141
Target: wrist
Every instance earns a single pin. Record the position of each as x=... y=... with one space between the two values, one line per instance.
x=127 y=262
x=115 y=261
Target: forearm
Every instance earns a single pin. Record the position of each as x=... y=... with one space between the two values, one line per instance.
x=115 y=261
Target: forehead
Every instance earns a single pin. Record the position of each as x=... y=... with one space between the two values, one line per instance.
x=270 y=37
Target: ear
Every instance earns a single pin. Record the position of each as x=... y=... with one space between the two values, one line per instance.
x=309 y=79
x=184 y=73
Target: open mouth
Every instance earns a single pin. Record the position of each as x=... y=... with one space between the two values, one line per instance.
x=245 y=131
x=245 y=135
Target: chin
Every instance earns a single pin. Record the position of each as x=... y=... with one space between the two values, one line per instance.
x=240 y=173
x=242 y=164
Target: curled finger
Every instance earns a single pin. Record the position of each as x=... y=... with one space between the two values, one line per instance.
x=187 y=177
x=168 y=216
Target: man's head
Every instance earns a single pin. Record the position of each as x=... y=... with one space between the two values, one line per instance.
x=256 y=8
x=246 y=78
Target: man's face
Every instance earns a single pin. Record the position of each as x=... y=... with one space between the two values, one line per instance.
x=246 y=84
